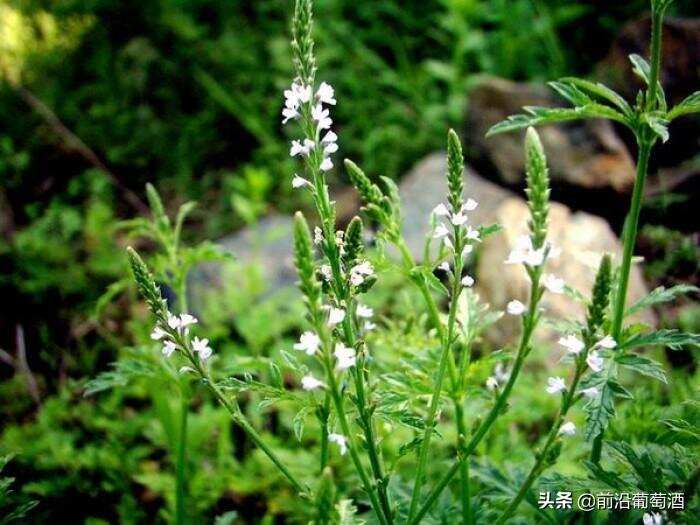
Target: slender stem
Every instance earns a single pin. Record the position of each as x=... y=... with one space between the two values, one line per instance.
x=180 y=471
x=567 y=402
x=324 y=432
x=630 y=234
x=446 y=362
x=529 y=324
x=656 y=30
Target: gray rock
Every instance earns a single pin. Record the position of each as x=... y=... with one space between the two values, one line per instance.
x=586 y=153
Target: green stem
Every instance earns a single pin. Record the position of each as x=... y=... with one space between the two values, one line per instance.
x=539 y=466
x=324 y=432
x=630 y=234
x=446 y=362
x=180 y=472
x=529 y=323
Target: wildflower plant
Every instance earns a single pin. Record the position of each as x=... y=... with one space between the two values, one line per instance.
x=342 y=378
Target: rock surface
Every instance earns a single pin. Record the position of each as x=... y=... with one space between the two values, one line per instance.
x=587 y=154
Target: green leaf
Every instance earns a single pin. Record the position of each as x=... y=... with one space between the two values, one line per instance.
x=670 y=338
x=658 y=125
x=536 y=116
x=122 y=373
x=661 y=295
x=642 y=69
x=642 y=365
x=689 y=105
x=601 y=91
x=601 y=408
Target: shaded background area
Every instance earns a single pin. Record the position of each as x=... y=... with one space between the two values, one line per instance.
x=99 y=97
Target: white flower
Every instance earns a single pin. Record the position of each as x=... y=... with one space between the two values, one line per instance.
x=653 y=518
x=468 y=248
x=303 y=92
x=329 y=138
x=594 y=361
x=187 y=320
x=568 y=429
x=325 y=94
x=158 y=333
x=326 y=272
x=607 y=342
x=326 y=164
x=491 y=383
x=553 y=283
x=298 y=182
x=359 y=272
x=309 y=382
x=467 y=281
x=364 y=311
x=441 y=210
x=473 y=234
x=318 y=235
x=168 y=348
x=335 y=316
x=458 y=219
x=339 y=440
x=440 y=231
x=553 y=252
x=292 y=98
x=534 y=257
x=202 y=347
x=345 y=356
x=524 y=252
x=308 y=342
x=444 y=266
x=356 y=279
x=555 y=385
x=301 y=148
x=369 y=325
x=515 y=307
x=470 y=205
x=173 y=321
x=330 y=148
x=589 y=392
x=500 y=374
x=321 y=116
x=572 y=343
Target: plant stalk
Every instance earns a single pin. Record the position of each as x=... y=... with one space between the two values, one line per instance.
x=180 y=475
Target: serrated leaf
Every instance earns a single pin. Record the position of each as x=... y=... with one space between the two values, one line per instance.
x=658 y=125
x=537 y=116
x=670 y=338
x=642 y=365
x=121 y=374
x=601 y=408
x=643 y=70
x=299 y=421
x=661 y=295
x=603 y=92
x=690 y=104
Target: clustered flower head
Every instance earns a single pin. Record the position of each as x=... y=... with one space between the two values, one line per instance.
x=179 y=324
x=458 y=219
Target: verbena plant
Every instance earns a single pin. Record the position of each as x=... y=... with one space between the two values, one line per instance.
x=345 y=384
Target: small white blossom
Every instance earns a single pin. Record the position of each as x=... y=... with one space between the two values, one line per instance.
x=470 y=205
x=345 y=356
x=308 y=342
x=301 y=148
x=325 y=94
x=168 y=348
x=158 y=333
x=441 y=210
x=335 y=316
x=467 y=281
x=326 y=164
x=328 y=149
x=173 y=321
x=572 y=344
x=318 y=235
x=364 y=311
x=458 y=219
x=321 y=116
x=595 y=362
x=567 y=429
x=298 y=182
x=326 y=272
x=555 y=385
x=473 y=234
x=309 y=382
x=515 y=307
x=589 y=392
x=500 y=373
x=202 y=347
x=468 y=248
x=553 y=283
x=607 y=342
x=329 y=138
x=339 y=440
x=444 y=266
x=525 y=253
x=289 y=114
x=653 y=518
x=440 y=231
x=369 y=325
x=359 y=272
x=491 y=383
